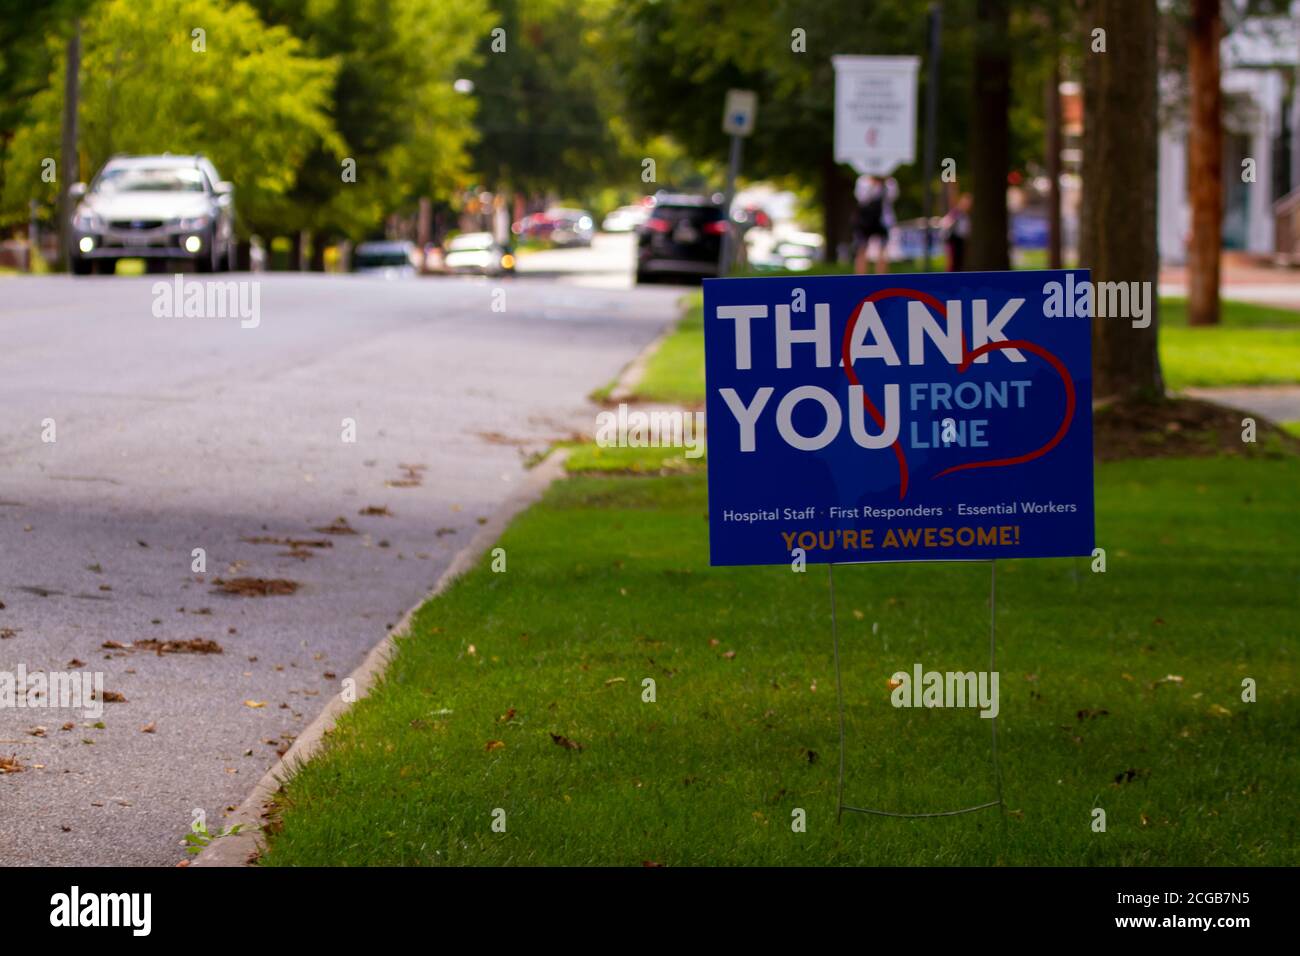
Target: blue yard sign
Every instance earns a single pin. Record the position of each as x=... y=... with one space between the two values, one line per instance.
x=899 y=418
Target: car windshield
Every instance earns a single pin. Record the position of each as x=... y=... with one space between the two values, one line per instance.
x=471 y=243
x=143 y=179
x=379 y=258
x=695 y=214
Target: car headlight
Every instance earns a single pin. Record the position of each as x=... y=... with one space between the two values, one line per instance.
x=87 y=221
x=193 y=223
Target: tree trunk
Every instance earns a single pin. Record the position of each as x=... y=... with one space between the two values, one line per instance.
x=1118 y=213
x=69 y=172
x=1053 y=149
x=318 y=242
x=990 y=138
x=1204 y=163
x=295 y=252
x=838 y=207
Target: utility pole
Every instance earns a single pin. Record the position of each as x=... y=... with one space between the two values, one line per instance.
x=931 y=121
x=733 y=170
x=1053 y=145
x=69 y=170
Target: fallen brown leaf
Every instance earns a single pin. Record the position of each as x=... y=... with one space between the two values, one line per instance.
x=289 y=542
x=339 y=526
x=195 y=645
x=565 y=742
x=255 y=587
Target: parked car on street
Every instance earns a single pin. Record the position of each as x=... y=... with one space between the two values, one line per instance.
x=682 y=237
x=392 y=259
x=478 y=253
x=535 y=226
x=625 y=219
x=156 y=208
x=571 y=227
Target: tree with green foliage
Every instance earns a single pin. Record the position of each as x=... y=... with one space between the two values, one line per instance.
x=27 y=59
x=247 y=96
x=549 y=110
x=405 y=128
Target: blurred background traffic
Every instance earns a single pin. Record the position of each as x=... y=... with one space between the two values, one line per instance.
x=425 y=136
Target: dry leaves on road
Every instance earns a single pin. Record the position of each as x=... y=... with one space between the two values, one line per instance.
x=339 y=526
x=375 y=511
x=414 y=477
x=288 y=542
x=255 y=587
x=10 y=764
x=195 y=645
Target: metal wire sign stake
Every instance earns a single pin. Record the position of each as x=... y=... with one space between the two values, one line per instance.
x=841 y=806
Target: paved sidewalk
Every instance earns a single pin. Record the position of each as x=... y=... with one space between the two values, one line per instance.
x=1242 y=282
x=1280 y=403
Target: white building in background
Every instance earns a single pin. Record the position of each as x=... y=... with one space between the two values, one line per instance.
x=1260 y=77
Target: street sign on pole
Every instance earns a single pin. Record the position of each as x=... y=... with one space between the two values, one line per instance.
x=875 y=112
x=739 y=112
x=738 y=115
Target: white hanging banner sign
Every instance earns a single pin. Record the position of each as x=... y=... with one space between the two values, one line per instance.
x=875 y=111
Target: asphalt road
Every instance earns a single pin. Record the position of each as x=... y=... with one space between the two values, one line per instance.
x=173 y=434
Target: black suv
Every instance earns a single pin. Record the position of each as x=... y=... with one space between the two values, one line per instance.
x=682 y=237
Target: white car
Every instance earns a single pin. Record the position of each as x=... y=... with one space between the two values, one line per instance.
x=393 y=259
x=624 y=219
x=478 y=253
x=156 y=208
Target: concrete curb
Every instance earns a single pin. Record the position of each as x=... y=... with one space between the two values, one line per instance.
x=625 y=387
x=628 y=381
x=240 y=848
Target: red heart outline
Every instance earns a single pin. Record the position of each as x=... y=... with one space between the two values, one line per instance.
x=967 y=358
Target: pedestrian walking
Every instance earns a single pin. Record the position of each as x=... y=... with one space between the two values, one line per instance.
x=955 y=228
x=875 y=196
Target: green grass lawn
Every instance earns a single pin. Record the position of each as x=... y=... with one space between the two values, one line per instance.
x=675 y=372
x=1119 y=690
x=1254 y=345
